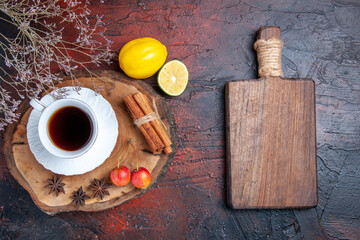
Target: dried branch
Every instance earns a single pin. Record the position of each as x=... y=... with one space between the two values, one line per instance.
x=38 y=51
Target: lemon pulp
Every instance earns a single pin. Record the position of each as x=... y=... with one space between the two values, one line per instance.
x=173 y=78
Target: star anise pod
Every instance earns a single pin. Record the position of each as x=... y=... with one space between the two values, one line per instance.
x=100 y=188
x=55 y=185
x=79 y=197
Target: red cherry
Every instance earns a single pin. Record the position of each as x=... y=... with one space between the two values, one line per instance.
x=141 y=178
x=120 y=176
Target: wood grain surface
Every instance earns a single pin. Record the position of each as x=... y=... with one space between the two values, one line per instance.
x=271 y=140
x=215 y=40
x=33 y=176
x=271 y=145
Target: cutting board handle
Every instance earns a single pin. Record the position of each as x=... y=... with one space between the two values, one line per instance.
x=268 y=47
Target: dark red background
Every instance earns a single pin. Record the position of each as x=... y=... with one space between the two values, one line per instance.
x=215 y=40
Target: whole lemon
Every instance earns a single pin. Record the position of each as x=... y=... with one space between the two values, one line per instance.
x=142 y=57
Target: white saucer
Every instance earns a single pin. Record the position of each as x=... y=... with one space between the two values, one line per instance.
x=96 y=155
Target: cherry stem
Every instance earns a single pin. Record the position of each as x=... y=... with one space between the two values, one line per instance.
x=124 y=152
x=118 y=165
x=137 y=160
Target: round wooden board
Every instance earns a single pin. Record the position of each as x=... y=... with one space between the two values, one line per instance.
x=33 y=176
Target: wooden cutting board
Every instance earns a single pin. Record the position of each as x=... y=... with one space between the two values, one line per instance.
x=33 y=176
x=271 y=139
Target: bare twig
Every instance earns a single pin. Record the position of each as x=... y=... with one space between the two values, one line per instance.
x=39 y=51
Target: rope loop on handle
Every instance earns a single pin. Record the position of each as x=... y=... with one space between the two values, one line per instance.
x=269 y=57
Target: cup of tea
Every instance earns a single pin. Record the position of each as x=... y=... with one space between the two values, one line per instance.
x=67 y=127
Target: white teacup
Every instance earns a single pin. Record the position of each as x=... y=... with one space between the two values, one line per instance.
x=50 y=140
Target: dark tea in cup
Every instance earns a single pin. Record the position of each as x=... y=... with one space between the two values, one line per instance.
x=70 y=128
x=67 y=127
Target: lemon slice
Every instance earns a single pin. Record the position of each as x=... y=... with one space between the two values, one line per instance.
x=173 y=78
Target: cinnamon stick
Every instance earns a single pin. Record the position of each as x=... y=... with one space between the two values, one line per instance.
x=147 y=130
x=144 y=103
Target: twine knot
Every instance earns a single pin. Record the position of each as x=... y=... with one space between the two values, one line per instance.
x=150 y=117
x=269 y=57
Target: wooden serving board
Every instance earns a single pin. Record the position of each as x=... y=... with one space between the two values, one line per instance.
x=33 y=176
x=271 y=142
